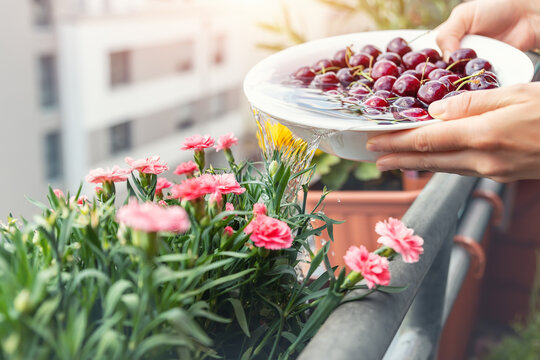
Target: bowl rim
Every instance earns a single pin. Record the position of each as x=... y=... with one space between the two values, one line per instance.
x=316 y=121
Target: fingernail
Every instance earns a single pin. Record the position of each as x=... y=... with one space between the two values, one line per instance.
x=436 y=108
x=372 y=146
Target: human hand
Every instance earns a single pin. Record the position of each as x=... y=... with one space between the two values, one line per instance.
x=515 y=22
x=493 y=133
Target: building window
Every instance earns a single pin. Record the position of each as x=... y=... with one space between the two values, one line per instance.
x=53 y=156
x=42 y=12
x=47 y=81
x=120 y=68
x=120 y=136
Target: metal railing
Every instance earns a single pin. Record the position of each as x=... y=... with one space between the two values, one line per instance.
x=368 y=329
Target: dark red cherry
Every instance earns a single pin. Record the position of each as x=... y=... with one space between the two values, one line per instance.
x=304 y=74
x=384 y=83
x=406 y=85
x=459 y=58
x=385 y=94
x=491 y=76
x=399 y=46
x=371 y=50
x=322 y=64
x=438 y=73
x=359 y=91
x=453 y=93
x=413 y=73
x=360 y=59
x=432 y=54
x=432 y=91
x=481 y=82
x=406 y=102
x=416 y=114
x=449 y=81
x=476 y=65
x=393 y=57
x=345 y=77
x=413 y=58
x=340 y=57
x=383 y=68
x=376 y=102
x=425 y=68
x=326 y=81
x=441 y=64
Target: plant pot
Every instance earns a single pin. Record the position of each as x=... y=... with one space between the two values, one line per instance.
x=415 y=180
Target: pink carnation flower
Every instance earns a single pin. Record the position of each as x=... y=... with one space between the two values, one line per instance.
x=162 y=203
x=99 y=175
x=197 y=142
x=186 y=168
x=374 y=268
x=83 y=199
x=401 y=239
x=150 y=217
x=226 y=141
x=259 y=209
x=59 y=193
x=191 y=189
x=162 y=184
x=150 y=165
x=269 y=233
x=228 y=231
x=227 y=184
x=229 y=207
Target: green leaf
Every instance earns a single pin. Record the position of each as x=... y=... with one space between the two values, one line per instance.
x=240 y=315
x=160 y=340
x=114 y=295
x=367 y=171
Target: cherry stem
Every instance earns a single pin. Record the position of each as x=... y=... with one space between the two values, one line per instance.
x=478 y=73
x=457 y=62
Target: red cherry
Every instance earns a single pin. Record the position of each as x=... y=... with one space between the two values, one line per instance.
x=413 y=58
x=385 y=94
x=413 y=73
x=345 y=77
x=326 y=81
x=340 y=58
x=459 y=58
x=453 y=93
x=383 y=68
x=406 y=85
x=406 y=102
x=425 y=68
x=359 y=90
x=304 y=74
x=384 y=83
x=481 y=82
x=432 y=91
x=399 y=46
x=476 y=65
x=371 y=50
x=393 y=57
x=438 y=73
x=432 y=54
x=360 y=59
x=416 y=114
x=441 y=64
x=376 y=102
x=449 y=81
x=322 y=64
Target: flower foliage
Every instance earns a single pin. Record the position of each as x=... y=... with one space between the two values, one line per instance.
x=218 y=267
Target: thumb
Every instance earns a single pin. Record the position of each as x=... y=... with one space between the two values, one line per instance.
x=470 y=103
x=450 y=33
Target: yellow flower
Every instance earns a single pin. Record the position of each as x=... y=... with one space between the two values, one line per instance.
x=275 y=136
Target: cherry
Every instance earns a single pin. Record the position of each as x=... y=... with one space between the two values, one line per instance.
x=322 y=64
x=441 y=64
x=453 y=93
x=345 y=77
x=416 y=114
x=425 y=68
x=438 y=73
x=459 y=58
x=384 y=67
x=432 y=91
x=385 y=94
x=399 y=46
x=304 y=74
x=326 y=81
x=393 y=57
x=375 y=101
x=364 y=80
x=340 y=57
x=407 y=102
x=481 y=82
x=476 y=65
x=432 y=54
x=371 y=50
x=413 y=73
x=406 y=85
x=360 y=59
x=449 y=81
x=413 y=58
x=384 y=83
x=359 y=91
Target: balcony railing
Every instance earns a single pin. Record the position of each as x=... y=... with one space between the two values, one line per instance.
x=407 y=325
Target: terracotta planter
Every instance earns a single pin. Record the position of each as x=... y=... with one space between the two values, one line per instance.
x=361 y=210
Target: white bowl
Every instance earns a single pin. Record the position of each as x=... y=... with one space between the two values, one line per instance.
x=344 y=137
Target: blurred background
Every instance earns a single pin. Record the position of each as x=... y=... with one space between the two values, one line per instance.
x=84 y=83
